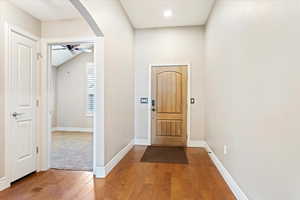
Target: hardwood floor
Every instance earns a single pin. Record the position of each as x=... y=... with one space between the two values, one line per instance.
x=130 y=180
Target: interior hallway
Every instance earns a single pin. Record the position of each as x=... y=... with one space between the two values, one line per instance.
x=131 y=179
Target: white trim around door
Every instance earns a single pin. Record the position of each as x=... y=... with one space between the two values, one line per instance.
x=98 y=129
x=188 y=98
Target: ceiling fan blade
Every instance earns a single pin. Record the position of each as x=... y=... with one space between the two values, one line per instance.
x=84 y=50
x=71 y=46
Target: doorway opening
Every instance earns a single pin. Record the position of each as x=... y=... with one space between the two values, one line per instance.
x=169 y=110
x=168 y=114
x=71 y=104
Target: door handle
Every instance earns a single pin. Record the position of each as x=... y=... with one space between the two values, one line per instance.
x=15 y=114
x=153 y=105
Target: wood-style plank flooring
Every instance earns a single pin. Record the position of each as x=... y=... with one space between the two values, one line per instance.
x=130 y=179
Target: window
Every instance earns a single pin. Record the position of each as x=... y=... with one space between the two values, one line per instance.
x=91 y=89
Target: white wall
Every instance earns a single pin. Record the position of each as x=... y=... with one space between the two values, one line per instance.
x=72 y=28
x=71 y=93
x=14 y=16
x=169 y=46
x=119 y=74
x=252 y=90
x=19 y=18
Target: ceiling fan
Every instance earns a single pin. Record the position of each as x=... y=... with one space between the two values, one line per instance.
x=74 y=48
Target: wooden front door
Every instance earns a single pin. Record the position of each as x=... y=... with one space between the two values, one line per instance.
x=169 y=106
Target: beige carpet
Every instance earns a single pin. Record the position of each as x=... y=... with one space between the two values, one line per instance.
x=72 y=151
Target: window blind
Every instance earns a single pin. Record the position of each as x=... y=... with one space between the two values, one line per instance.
x=91 y=89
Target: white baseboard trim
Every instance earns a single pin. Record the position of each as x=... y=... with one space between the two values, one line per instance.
x=237 y=191
x=72 y=129
x=4 y=183
x=102 y=172
x=196 y=143
x=143 y=142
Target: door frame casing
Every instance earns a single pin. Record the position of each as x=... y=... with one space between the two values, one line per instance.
x=98 y=119
x=188 y=125
x=8 y=160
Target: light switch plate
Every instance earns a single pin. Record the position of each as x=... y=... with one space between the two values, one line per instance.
x=144 y=100
x=225 y=149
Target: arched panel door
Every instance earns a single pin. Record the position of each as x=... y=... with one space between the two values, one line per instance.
x=169 y=106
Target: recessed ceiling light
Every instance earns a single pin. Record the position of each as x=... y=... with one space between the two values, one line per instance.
x=168 y=13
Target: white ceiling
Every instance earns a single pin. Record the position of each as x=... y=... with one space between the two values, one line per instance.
x=48 y=10
x=149 y=13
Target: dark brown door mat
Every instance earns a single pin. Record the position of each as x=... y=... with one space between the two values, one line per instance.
x=165 y=155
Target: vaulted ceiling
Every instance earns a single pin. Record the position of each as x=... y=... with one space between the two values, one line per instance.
x=61 y=55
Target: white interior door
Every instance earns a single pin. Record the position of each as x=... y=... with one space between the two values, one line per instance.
x=23 y=60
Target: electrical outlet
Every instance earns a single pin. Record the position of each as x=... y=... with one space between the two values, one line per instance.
x=225 y=149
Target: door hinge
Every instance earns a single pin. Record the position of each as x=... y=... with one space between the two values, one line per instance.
x=37 y=150
x=37 y=103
